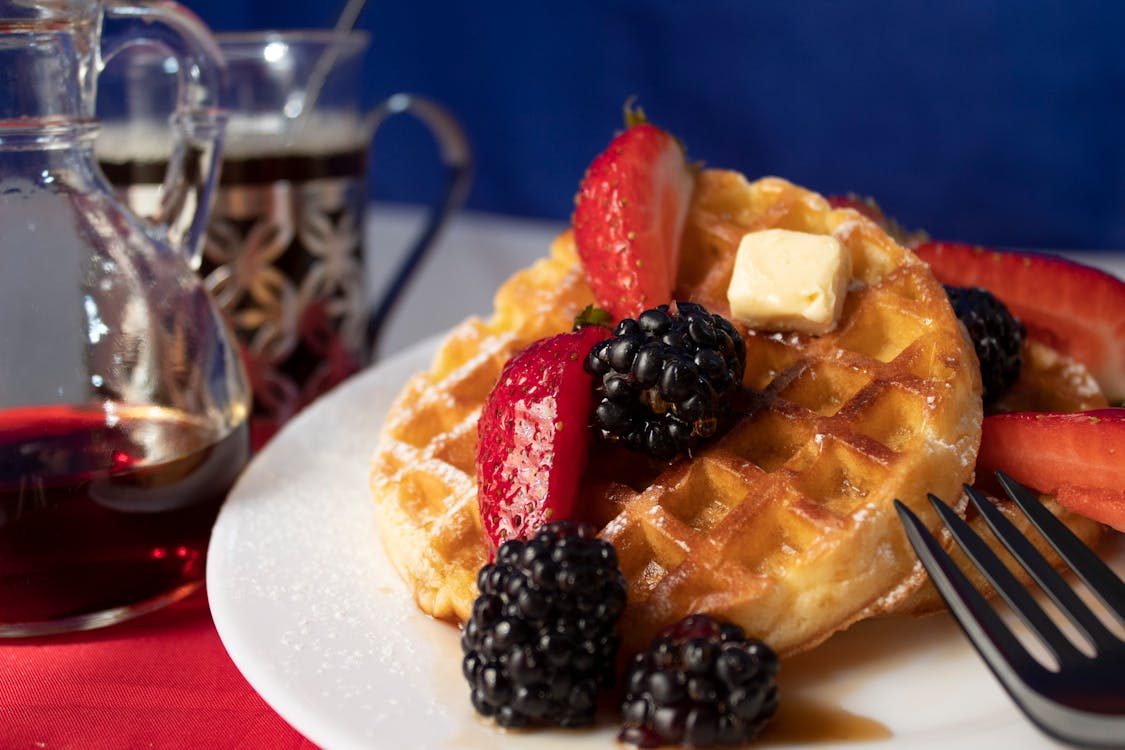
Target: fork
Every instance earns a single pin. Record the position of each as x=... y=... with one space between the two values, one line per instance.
x=1082 y=701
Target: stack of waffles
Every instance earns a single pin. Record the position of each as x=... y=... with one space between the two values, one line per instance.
x=785 y=523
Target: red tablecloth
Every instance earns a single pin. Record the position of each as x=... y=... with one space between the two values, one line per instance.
x=163 y=680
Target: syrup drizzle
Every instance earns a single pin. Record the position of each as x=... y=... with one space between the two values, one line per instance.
x=804 y=721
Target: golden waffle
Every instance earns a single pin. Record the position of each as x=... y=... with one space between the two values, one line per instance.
x=784 y=524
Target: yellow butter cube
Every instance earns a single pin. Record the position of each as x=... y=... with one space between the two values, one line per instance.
x=789 y=281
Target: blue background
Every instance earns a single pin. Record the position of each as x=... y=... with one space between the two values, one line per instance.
x=999 y=122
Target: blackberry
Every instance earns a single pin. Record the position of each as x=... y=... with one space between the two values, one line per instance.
x=997 y=337
x=701 y=683
x=541 y=641
x=663 y=380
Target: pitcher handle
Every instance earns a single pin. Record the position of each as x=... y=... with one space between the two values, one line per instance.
x=456 y=156
x=198 y=122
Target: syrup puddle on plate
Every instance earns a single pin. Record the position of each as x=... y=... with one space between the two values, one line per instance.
x=805 y=721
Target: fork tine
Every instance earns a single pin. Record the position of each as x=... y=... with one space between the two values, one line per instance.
x=1000 y=649
x=1045 y=575
x=1097 y=576
x=1014 y=593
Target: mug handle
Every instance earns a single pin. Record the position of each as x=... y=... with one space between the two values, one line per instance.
x=198 y=122
x=457 y=158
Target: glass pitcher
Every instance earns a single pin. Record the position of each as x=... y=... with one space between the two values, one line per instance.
x=123 y=402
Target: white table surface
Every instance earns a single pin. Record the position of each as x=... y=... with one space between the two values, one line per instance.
x=470 y=259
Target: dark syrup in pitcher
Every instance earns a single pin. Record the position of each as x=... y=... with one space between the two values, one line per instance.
x=98 y=513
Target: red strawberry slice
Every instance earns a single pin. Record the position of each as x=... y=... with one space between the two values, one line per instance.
x=532 y=436
x=1075 y=309
x=1078 y=457
x=629 y=218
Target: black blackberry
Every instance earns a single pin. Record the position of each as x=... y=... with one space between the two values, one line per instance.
x=701 y=683
x=541 y=640
x=662 y=381
x=997 y=337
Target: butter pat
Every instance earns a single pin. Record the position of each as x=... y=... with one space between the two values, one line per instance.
x=789 y=281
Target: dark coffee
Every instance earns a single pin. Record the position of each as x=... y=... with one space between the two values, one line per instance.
x=255 y=170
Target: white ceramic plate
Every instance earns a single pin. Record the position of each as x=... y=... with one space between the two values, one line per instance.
x=314 y=616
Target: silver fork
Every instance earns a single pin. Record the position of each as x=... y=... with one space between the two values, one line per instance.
x=1082 y=701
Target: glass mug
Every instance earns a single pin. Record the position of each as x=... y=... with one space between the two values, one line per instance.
x=283 y=255
x=123 y=402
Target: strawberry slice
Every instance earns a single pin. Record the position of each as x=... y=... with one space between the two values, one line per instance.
x=629 y=218
x=1078 y=457
x=1075 y=309
x=532 y=436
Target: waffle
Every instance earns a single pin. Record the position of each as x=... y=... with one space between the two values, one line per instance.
x=785 y=523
